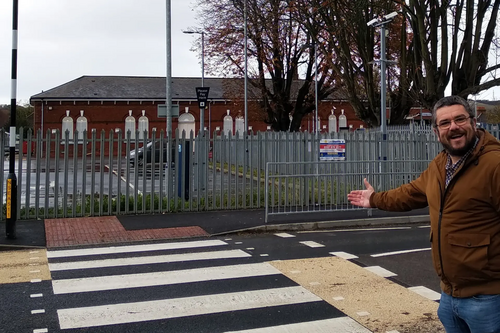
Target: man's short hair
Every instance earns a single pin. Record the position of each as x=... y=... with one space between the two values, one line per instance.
x=449 y=101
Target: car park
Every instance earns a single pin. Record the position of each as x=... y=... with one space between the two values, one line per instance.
x=145 y=154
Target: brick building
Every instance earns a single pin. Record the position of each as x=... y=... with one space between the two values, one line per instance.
x=107 y=100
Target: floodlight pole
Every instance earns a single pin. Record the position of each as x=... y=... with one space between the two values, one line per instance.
x=11 y=195
x=381 y=23
x=383 y=89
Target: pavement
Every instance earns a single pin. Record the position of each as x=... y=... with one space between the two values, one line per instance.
x=82 y=231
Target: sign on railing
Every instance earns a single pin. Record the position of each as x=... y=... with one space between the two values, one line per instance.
x=332 y=150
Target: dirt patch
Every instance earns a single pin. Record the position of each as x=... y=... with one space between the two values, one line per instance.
x=23 y=266
x=375 y=302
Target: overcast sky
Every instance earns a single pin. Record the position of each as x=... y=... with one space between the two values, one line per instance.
x=61 y=40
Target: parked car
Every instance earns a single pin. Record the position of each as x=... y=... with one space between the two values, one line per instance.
x=143 y=154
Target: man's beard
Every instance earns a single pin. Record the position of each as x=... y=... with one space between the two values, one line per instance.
x=460 y=151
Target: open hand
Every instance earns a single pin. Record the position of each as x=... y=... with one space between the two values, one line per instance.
x=361 y=197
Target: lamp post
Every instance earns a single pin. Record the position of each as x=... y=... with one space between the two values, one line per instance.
x=245 y=32
x=315 y=49
x=168 y=83
x=316 y=88
x=382 y=22
x=202 y=33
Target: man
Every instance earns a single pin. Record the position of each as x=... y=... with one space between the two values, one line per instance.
x=461 y=186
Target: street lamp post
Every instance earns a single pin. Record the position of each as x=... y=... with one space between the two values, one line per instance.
x=382 y=22
x=168 y=83
x=313 y=45
x=202 y=33
x=316 y=88
x=245 y=32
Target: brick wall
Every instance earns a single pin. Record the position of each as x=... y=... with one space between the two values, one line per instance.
x=109 y=115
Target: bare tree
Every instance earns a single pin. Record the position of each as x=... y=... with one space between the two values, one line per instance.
x=452 y=44
x=493 y=115
x=432 y=45
x=279 y=47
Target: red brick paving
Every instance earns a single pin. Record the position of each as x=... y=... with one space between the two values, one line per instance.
x=106 y=229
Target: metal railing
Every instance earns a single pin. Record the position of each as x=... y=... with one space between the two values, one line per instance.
x=97 y=175
x=323 y=186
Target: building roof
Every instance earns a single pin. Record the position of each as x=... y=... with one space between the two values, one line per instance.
x=146 y=88
x=129 y=88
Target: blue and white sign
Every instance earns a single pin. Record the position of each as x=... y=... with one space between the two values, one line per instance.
x=332 y=150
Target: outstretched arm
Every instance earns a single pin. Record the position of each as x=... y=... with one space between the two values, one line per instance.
x=361 y=197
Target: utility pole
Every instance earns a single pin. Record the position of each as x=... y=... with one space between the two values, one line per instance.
x=245 y=32
x=168 y=83
x=316 y=129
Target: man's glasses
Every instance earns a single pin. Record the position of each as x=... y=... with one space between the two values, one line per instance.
x=459 y=121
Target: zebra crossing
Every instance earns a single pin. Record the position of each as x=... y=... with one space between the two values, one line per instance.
x=191 y=286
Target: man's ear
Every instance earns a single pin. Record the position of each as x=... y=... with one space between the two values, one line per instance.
x=436 y=131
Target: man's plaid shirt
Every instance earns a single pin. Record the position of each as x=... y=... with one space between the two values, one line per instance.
x=452 y=168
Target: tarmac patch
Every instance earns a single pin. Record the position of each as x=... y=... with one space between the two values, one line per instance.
x=375 y=302
x=24 y=266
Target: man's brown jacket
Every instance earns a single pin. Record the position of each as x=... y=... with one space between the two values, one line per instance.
x=465 y=218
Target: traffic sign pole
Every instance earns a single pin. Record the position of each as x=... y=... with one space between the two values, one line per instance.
x=202 y=96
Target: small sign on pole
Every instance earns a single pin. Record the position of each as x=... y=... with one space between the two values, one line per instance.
x=332 y=150
x=202 y=96
x=162 y=111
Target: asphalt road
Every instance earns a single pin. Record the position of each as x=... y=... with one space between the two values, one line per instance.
x=84 y=297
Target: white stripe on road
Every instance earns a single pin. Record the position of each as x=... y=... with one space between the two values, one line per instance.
x=349 y=230
x=312 y=244
x=344 y=255
x=112 y=282
x=167 y=258
x=133 y=248
x=426 y=292
x=341 y=324
x=399 y=252
x=113 y=314
x=284 y=235
x=380 y=271
x=40 y=330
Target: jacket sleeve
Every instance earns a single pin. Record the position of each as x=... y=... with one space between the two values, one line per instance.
x=404 y=198
x=495 y=189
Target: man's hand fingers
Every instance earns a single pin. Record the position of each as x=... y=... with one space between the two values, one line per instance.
x=367 y=184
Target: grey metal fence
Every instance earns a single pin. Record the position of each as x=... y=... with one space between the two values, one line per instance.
x=300 y=187
x=101 y=173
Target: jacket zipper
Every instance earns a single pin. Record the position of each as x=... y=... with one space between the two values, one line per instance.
x=439 y=230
